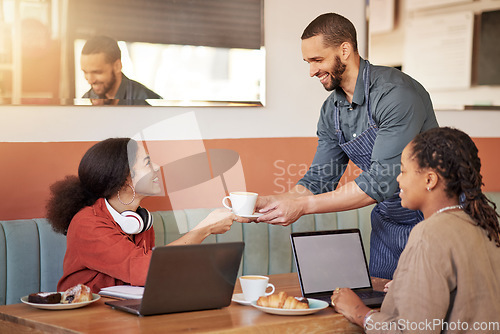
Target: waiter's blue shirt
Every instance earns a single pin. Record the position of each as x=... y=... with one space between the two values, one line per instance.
x=401 y=109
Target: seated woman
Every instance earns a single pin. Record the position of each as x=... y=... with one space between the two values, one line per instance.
x=448 y=276
x=109 y=236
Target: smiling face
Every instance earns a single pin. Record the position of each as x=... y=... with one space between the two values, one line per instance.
x=101 y=75
x=412 y=181
x=324 y=62
x=145 y=176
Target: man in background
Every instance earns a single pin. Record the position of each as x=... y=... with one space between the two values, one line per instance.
x=102 y=66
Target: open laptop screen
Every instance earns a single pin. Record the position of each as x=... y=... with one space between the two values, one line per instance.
x=329 y=259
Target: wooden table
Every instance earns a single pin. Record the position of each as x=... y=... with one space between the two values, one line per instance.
x=100 y=318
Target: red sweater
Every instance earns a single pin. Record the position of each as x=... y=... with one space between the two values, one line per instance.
x=100 y=254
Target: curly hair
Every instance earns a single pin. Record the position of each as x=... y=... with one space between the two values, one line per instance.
x=102 y=172
x=454 y=156
x=334 y=28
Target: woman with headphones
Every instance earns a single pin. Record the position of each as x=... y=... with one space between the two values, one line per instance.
x=109 y=236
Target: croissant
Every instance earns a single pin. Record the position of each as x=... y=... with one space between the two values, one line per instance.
x=282 y=300
x=275 y=300
x=293 y=303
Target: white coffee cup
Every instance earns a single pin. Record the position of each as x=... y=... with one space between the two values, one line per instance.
x=255 y=286
x=242 y=202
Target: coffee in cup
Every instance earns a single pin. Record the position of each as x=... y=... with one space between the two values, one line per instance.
x=242 y=202
x=255 y=286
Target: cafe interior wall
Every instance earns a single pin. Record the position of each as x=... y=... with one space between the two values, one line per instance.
x=41 y=144
x=387 y=48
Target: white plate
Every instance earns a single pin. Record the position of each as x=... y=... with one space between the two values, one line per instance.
x=315 y=305
x=60 y=306
x=255 y=215
x=240 y=299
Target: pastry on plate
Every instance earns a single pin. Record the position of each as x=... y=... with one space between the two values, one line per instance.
x=284 y=301
x=77 y=294
x=45 y=298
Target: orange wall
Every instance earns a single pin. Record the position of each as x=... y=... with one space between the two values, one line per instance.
x=270 y=165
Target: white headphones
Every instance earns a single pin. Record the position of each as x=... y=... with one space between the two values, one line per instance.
x=132 y=222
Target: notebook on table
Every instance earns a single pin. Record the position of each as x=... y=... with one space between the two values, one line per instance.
x=187 y=278
x=329 y=259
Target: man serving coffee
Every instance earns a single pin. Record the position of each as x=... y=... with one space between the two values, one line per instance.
x=372 y=113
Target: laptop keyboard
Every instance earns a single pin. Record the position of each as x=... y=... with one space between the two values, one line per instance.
x=361 y=294
x=370 y=294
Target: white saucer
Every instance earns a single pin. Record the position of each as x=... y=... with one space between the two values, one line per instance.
x=315 y=305
x=255 y=215
x=238 y=297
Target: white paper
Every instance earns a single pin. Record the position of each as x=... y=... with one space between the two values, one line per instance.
x=123 y=291
x=438 y=50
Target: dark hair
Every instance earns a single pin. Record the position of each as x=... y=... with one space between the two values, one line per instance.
x=102 y=172
x=453 y=155
x=103 y=44
x=335 y=29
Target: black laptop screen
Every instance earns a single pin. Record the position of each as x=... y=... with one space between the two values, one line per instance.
x=327 y=261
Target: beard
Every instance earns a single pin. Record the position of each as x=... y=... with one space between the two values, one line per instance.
x=335 y=75
x=107 y=86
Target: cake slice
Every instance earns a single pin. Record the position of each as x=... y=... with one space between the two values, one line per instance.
x=45 y=298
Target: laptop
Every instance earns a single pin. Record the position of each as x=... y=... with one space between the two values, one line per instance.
x=187 y=278
x=329 y=259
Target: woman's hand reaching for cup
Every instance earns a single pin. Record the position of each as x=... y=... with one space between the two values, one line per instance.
x=219 y=221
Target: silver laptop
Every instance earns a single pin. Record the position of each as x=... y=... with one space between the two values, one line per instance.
x=187 y=278
x=329 y=259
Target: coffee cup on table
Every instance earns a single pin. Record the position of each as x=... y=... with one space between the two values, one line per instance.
x=242 y=202
x=255 y=286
